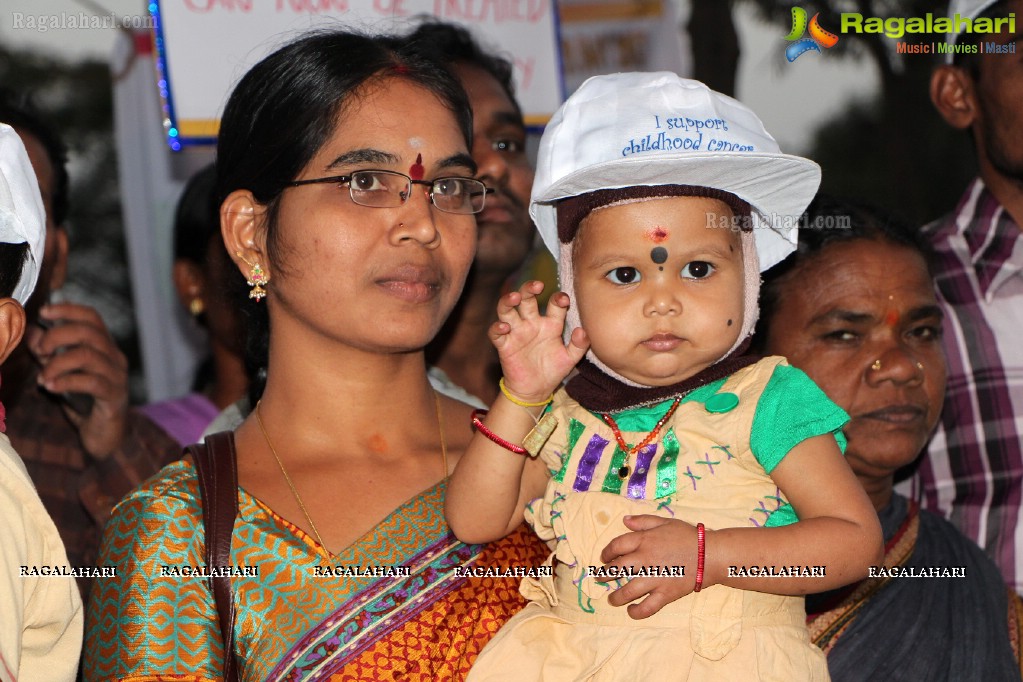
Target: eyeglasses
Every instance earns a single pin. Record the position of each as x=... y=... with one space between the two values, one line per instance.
x=389 y=189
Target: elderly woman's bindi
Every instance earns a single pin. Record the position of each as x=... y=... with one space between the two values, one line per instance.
x=891 y=317
x=658 y=254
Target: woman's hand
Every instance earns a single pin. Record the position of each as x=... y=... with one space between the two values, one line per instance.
x=534 y=358
x=655 y=542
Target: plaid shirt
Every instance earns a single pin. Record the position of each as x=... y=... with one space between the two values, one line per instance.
x=77 y=491
x=973 y=469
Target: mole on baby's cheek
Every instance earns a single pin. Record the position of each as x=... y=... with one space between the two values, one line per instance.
x=659 y=255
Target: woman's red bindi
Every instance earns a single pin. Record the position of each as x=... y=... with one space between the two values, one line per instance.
x=416 y=170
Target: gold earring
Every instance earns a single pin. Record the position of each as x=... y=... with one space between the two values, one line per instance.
x=196 y=307
x=920 y=366
x=877 y=365
x=257 y=278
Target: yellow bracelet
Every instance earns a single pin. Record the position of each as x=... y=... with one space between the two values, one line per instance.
x=519 y=401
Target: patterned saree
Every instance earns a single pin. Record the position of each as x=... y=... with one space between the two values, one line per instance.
x=920 y=619
x=396 y=605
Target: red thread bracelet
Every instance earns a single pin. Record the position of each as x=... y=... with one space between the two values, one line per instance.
x=481 y=427
x=701 y=554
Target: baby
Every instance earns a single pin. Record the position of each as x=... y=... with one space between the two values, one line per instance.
x=701 y=486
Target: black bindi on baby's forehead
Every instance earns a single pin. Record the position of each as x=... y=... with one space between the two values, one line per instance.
x=659 y=255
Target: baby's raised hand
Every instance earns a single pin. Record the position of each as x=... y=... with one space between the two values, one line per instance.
x=534 y=358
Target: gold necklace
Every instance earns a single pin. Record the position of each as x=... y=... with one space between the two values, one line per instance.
x=294 y=491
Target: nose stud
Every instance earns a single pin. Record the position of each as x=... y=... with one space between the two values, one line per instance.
x=876 y=366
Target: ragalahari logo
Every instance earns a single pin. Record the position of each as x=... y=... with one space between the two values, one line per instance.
x=818 y=36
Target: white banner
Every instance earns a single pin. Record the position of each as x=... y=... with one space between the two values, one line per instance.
x=205 y=46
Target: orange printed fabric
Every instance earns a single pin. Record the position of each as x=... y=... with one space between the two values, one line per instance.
x=437 y=640
x=397 y=604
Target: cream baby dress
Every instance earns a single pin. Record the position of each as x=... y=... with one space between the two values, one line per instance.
x=701 y=469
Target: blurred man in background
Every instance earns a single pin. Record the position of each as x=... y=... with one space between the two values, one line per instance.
x=65 y=386
x=973 y=471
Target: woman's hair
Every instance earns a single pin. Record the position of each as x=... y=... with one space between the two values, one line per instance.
x=829 y=220
x=285 y=109
x=452 y=45
x=196 y=231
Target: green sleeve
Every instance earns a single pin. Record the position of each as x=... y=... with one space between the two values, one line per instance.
x=792 y=409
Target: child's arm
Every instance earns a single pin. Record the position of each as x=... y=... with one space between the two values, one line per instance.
x=491 y=485
x=837 y=529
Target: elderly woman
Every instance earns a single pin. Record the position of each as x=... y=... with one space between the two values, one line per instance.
x=855 y=309
x=348 y=202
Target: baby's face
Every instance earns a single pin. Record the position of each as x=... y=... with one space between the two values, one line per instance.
x=659 y=287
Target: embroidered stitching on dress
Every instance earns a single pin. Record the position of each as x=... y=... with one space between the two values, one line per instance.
x=724 y=449
x=692 y=476
x=708 y=463
x=779 y=502
x=589 y=603
x=762 y=509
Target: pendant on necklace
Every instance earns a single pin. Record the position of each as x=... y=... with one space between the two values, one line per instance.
x=623 y=471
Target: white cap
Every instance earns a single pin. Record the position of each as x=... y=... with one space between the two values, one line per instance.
x=632 y=129
x=967 y=9
x=22 y=216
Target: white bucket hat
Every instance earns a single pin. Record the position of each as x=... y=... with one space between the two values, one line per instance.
x=632 y=129
x=22 y=217
x=968 y=9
